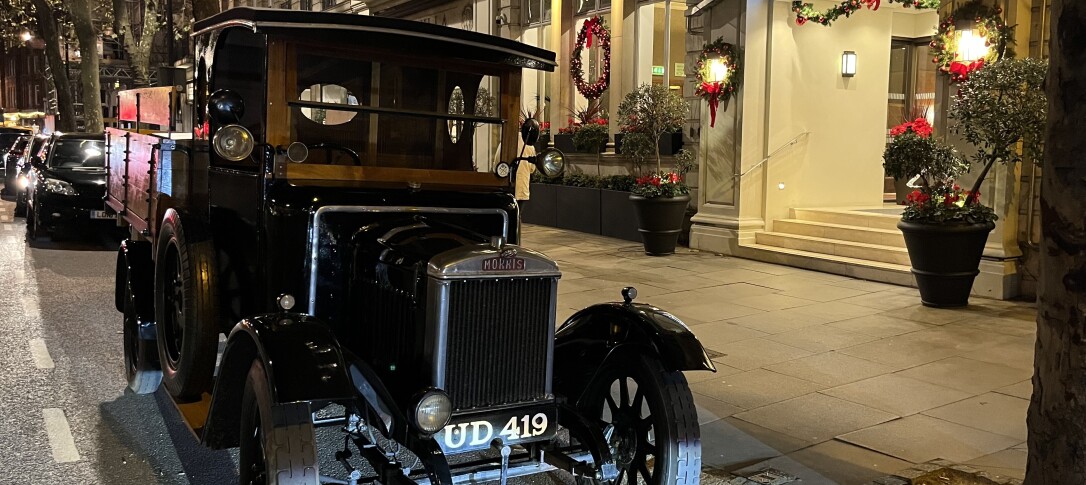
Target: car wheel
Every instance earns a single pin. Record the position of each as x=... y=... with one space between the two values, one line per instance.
x=185 y=309
x=274 y=452
x=141 y=366
x=649 y=421
x=34 y=229
x=20 y=204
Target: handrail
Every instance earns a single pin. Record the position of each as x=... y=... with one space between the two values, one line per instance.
x=791 y=142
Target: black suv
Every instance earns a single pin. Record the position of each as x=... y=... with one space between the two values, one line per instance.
x=66 y=183
x=10 y=140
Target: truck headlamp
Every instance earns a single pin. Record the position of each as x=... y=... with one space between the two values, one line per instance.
x=433 y=411
x=23 y=181
x=233 y=142
x=61 y=187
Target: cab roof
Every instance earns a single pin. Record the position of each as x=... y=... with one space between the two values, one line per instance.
x=438 y=40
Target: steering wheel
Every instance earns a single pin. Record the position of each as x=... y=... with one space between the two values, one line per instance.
x=332 y=146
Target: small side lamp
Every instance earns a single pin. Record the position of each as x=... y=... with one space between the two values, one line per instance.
x=848 y=64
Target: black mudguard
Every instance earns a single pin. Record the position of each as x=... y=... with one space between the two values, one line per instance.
x=608 y=330
x=303 y=361
x=134 y=262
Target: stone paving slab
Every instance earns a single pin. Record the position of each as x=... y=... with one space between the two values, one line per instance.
x=784 y=336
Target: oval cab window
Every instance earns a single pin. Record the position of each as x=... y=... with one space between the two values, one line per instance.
x=332 y=94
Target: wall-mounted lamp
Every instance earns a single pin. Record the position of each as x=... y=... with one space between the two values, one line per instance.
x=27 y=36
x=718 y=70
x=848 y=64
x=971 y=45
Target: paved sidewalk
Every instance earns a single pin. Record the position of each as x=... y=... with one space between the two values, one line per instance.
x=828 y=378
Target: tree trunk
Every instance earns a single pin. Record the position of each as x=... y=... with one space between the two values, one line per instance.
x=47 y=24
x=1057 y=430
x=202 y=9
x=88 y=69
x=138 y=48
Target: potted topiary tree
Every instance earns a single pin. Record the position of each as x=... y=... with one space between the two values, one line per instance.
x=999 y=109
x=660 y=198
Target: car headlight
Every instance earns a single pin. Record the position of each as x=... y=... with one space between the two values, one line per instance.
x=23 y=181
x=433 y=411
x=59 y=187
x=233 y=142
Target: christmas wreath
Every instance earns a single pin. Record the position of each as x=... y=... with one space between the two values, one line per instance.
x=989 y=25
x=712 y=91
x=592 y=28
x=805 y=12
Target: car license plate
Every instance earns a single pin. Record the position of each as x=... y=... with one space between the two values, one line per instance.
x=474 y=432
x=100 y=215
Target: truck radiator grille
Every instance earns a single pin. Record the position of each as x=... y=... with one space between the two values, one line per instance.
x=499 y=336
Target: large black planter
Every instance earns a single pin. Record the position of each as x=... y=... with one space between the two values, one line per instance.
x=945 y=260
x=577 y=208
x=617 y=215
x=564 y=142
x=541 y=207
x=670 y=143
x=660 y=220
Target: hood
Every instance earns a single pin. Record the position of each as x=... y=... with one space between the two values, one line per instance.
x=85 y=178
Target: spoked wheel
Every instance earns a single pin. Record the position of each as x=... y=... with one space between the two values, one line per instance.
x=648 y=419
x=279 y=452
x=185 y=310
x=141 y=366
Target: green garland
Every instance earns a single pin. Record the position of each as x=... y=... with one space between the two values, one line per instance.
x=805 y=12
x=990 y=24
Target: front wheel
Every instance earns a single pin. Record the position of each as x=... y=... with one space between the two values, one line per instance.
x=649 y=420
x=281 y=451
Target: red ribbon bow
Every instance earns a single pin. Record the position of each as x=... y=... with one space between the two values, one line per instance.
x=872 y=4
x=589 y=26
x=960 y=71
x=713 y=90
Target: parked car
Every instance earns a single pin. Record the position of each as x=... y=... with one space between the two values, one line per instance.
x=339 y=212
x=8 y=158
x=66 y=184
x=16 y=172
x=9 y=139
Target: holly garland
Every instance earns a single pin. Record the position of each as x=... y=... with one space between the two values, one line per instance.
x=989 y=24
x=805 y=12
x=713 y=91
x=592 y=29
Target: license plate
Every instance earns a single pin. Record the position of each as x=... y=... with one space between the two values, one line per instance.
x=477 y=431
x=100 y=215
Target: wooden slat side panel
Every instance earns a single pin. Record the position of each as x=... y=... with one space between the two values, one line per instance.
x=302 y=171
x=154 y=105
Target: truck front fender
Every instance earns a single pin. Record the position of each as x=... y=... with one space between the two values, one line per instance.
x=134 y=263
x=303 y=361
x=599 y=332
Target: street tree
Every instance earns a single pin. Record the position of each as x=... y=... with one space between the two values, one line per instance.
x=137 y=29
x=39 y=17
x=83 y=20
x=1057 y=429
x=202 y=9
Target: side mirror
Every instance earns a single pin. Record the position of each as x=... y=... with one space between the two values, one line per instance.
x=225 y=106
x=552 y=162
x=529 y=131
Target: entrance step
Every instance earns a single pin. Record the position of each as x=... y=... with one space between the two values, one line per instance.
x=835 y=247
x=894 y=274
x=844 y=232
x=850 y=217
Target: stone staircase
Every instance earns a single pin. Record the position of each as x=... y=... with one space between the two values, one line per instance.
x=862 y=243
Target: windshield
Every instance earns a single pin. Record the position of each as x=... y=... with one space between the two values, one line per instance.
x=72 y=153
x=8 y=139
x=361 y=110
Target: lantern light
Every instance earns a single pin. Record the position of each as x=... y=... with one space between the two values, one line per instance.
x=719 y=70
x=848 y=64
x=27 y=36
x=971 y=46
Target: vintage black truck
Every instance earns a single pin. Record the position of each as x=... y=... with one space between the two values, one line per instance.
x=344 y=216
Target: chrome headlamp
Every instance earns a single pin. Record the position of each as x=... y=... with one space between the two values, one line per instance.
x=233 y=142
x=61 y=187
x=433 y=410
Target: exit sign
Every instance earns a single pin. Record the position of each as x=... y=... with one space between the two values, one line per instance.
x=657 y=70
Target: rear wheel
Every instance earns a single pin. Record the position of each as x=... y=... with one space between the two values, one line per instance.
x=649 y=420
x=279 y=451
x=34 y=229
x=185 y=310
x=141 y=366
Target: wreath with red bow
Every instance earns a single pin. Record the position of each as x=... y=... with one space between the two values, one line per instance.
x=713 y=91
x=989 y=24
x=805 y=12
x=592 y=29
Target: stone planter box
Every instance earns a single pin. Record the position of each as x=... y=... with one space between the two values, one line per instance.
x=670 y=144
x=542 y=206
x=564 y=142
x=617 y=218
x=578 y=209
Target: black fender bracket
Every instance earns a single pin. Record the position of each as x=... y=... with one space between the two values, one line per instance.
x=134 y=262
x=303 y=360
x=594 y=334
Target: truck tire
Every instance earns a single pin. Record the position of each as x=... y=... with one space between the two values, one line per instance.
x=642 y=400
x=279 y=451
x=140 y=356
x=185 y=309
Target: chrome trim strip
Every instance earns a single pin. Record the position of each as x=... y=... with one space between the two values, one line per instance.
x=383 y=30
x=550 y=337
x=314 y=231
x=437 y=318
x=229 y=23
